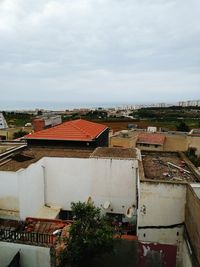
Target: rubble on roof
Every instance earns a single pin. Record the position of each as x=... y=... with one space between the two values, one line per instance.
x=166 y=166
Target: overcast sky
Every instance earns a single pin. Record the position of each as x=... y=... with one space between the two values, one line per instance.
x=99 y=51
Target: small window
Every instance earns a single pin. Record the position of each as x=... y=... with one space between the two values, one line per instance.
x=65 y=215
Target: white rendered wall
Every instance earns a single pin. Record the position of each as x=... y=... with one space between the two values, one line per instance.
x=114 y=181
x=9 y=199
x=172 y=236
x=30 y=256
x=72 y=179
x=31 y=189
x=67 y=180
x=162 y=204
x=186 y=259
x=60 y=181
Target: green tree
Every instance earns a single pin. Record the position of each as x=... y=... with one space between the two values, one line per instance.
x=19 y=134
x=89 y=236
x=183 y=127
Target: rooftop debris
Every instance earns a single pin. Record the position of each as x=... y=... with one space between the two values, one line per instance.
x=38 y=232
x=166 y=166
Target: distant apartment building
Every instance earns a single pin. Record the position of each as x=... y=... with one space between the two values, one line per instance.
x=189 y=103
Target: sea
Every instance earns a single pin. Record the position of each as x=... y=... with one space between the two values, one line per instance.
x=58 y=105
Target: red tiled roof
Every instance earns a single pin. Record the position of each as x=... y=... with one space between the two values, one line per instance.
x=151 y=138
x=76 y=130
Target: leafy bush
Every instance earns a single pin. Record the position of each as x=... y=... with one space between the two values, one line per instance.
x=19 y=134
x=89 y=236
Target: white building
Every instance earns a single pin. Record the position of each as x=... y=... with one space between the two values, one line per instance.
x=149 y=193
x=58 y=181
x=3 y=123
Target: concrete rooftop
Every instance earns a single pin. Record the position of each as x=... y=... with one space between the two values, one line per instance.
x=167 y=166
x=114 y=152
x=22 y=159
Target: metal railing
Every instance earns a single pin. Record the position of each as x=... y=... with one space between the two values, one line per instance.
x=26 y=237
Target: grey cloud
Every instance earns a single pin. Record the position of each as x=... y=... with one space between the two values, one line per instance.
x=99 y=49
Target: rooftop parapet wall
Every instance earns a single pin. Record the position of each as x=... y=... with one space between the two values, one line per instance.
x=192 y=219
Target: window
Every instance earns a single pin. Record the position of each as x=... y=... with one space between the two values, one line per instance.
x=65 y=215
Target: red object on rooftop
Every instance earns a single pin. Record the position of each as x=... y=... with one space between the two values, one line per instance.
x=151 y=138
x=76 y=130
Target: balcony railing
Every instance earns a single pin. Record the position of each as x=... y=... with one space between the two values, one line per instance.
x=35 y=238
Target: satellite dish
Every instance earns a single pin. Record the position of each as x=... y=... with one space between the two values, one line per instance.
x=106 y=205
x=89 y=200
x=129 y=212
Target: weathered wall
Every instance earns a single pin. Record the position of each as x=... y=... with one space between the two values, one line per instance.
x=31 y=189
x=194 y=142
x=30 y=256
x=102 y=179
x=174 y=142
x=150 y=147
x=162 y=204
x=114 y=181
x=192 y=219
x=162 y=235
x=125 y=142
x=60 y=181
x=125 y=254
x=162 y=213
x=9 y=199
x=186 y=259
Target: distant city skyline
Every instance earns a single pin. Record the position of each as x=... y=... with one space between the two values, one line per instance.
x=98 y=51
x=28 y=105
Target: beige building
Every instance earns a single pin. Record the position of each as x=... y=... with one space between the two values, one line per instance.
x=124 y=139
x=194 y=140
x=151 y=141
x=159 y=141
x=175 y=141
x=8 y=133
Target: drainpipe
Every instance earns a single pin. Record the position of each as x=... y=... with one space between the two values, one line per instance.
x=45 y=185
x=137 y=198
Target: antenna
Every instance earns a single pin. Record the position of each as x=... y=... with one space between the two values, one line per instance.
x=106 y=205
x=89 y=201
x=129 y=212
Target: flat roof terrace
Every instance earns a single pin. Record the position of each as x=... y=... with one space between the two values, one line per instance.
x=22 y=159
x=167 y=166
x=114 y=152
